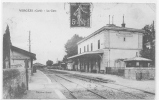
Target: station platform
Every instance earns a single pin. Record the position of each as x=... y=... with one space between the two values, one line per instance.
x=41 y=87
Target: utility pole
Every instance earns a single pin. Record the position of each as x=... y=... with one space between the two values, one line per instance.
x=30 y=51
x=29 y=43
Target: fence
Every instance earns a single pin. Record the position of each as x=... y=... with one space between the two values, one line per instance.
x=14 y=83
x=120 y=71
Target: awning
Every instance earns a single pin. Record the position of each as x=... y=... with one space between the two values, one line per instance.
x=137 y=59
x=86 y=53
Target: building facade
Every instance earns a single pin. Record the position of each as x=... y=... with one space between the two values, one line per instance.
x=14 y=57
x=108 y=47
x=19 y=56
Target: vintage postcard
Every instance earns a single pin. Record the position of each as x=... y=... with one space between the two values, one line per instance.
x=79 y=50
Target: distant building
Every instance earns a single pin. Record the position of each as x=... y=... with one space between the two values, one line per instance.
x=70 y=65
x=59 y=65
x=63 y=66
x=39 y=65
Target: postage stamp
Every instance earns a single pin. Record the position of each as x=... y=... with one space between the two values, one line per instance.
x=80 y=14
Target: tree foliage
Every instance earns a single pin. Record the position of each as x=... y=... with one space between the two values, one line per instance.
x=149 y=43
x=49 y=62
x=71 y=45
x=6 y=45
x=65 y=59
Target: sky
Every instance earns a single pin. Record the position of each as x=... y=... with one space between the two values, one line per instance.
x=51 y=30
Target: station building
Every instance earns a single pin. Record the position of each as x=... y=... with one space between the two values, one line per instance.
x=109 y=47
x=14 y=57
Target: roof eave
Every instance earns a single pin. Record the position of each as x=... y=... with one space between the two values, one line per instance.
x=85 y=53
x=32 y=55
x=111 y=28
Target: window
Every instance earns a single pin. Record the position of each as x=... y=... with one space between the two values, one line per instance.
x=137 y=64
x=91 y=46
x=124 y=39
x=87 y=47
x=84 y=48
x=98 y=44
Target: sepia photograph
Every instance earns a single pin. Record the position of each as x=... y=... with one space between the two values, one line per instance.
x=78 y=50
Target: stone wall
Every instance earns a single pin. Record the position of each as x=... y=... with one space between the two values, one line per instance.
x=14 y=83
x=132 y=73
x=140 y=73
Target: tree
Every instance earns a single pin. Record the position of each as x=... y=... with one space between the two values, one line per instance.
x=59 y=62
x=71 y=45
x=6 y=46
x=65 y=59
x=149 y=43
x=49 y=62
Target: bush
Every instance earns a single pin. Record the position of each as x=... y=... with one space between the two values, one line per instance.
x=12 y=83
x=10 y=73
x=11 y=93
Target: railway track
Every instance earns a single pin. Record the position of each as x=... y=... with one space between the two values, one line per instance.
x=111 y=82
x=102 y=97
x=104 y=81
x=74 y=97
x=97 y=82
x=132 y=95
x=72 y=93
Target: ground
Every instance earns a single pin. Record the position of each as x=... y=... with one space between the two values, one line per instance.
x=60 y=84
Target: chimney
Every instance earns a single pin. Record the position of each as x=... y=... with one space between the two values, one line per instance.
x=123 y=24
x=112 y=19
x=111 y=25
x=109 y=19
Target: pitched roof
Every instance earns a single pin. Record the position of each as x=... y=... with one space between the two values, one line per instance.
x=38 y=64
x=114 y=28
x=32 y=55
x=137 y=59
